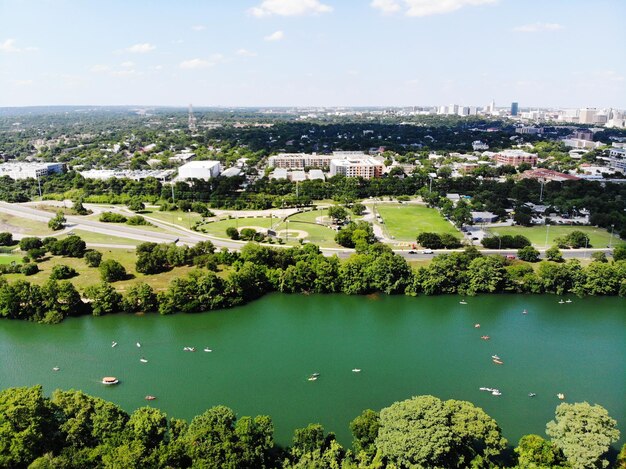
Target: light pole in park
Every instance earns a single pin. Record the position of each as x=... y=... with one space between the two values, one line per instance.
x=547 y=231
x=611 y=239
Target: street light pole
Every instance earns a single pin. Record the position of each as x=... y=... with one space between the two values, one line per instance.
x=611 y=239
x=547 y=231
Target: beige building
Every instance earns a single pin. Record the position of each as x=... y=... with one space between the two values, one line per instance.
x=367 y=168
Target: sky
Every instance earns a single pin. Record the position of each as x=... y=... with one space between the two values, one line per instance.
x=540 y=53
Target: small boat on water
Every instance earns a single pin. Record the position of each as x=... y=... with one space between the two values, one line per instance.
x=316 y=375
x=138 y=345
x=462 y=302
x=189 y=349
x=113 y=344
x=56 y=368
x=561 y=396
x=485 y=337
x=476 y=326
x=531 y=394
x=109 y=380
x=496 y=392
x=356 y=370
x=524 y=312
x=150 y=398
x=561 y=302
x=207 y=349
x=495 y=357
x=568 y=301
x=312 y=378
x=143 y=360
x=486 y=389
x=497 y=361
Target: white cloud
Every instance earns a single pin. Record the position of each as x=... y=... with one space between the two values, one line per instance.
x=9 y=46
x=123 y=73
x=99 y=68
x=246 y=53
x=198 y=27
x=127 y=64
x=425 y=7
x=538 y=27
x=193 y=64
x=23 y=82
x=275 y=36
x=141 y=48
x=289 y=8
x=387 y=7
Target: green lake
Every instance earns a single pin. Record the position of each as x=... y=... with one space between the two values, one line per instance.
x=263 y=353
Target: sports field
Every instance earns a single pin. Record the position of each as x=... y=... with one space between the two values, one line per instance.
x=405 y=222
x=598 y=237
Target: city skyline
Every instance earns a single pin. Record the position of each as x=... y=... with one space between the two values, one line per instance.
x=313 y=53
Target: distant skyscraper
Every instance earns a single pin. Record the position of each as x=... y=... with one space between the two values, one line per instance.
x=514 y=109
x=192 y=120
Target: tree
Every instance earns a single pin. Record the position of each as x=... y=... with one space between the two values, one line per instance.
x=337 y=214
x=72 y=246
x=140 y=298
x=619 y=252
x=584 y=433
x=554 y=254
x=28 y=243
x=136 y=205
x=93 y=257
x=28 y=426
x=232 y=232
x=6 y=239
x=599 y=257
x=533 y=452
x=30 y=268
x=104 y=299
x=358 y=209
x=364 y=430
x=112 y=271
x=429 y=240
x=528 y=254
x=58 y=222
x=426 y=432
x=61 y=272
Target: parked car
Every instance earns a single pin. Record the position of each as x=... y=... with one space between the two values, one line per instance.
x=427 y=251
x=412 y=252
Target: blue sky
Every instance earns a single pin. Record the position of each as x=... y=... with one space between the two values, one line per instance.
x=565 y=53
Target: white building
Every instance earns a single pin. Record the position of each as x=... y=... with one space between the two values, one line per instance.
x=230 y=172
x=316 y=174
x=581 y=143
x=199 y=170
x=367 y=168
x=479 y=145
x=617 y=159
x=30 y=170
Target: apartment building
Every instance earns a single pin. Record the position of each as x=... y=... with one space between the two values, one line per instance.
x=515 y=158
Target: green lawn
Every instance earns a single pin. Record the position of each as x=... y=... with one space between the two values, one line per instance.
x=184 y=219
x=7 y=259
x=405 y=222
x=598 y=237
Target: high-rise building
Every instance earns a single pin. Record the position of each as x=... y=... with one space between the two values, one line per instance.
x=587 y=116
x=514 y=109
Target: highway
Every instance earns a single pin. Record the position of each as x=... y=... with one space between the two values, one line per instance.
x=173 y=232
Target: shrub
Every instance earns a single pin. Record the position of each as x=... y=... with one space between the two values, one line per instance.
x=110 y=217
x=554 y=254
x=232 y=232
x=528 y=254
x=26 y=244
x=72 y=246
x=30 y=269
x=112 y=271
x=6 y=239
x=93 y=258
x=58 y=222
x=138 y=220
x=62 y=272
x=136 y=205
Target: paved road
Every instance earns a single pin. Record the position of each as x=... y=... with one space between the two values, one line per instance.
x=183 y=235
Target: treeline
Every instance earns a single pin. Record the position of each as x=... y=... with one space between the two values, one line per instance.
x=74 y=430
x=258 y=270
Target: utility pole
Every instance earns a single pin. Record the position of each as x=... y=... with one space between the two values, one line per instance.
x=172 y=186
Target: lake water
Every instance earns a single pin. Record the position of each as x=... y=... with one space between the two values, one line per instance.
x=263 y=353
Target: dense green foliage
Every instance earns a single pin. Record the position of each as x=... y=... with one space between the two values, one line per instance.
x=73 y=430
x=438 y=241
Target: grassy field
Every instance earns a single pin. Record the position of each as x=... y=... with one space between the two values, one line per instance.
x=91 y=276
x=184 y=219
x=598 y=237
x=405 y=222
x=100 y=238
x=21 y=225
